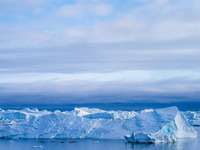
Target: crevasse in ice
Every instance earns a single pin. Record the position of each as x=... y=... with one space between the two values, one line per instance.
x=159 y=125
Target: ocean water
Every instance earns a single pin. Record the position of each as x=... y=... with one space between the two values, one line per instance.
x=94 y=144
x=182 y=106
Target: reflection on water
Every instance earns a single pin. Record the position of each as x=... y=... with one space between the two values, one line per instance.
x=91 y=144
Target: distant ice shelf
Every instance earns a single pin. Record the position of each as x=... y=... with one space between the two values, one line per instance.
x=159 y=125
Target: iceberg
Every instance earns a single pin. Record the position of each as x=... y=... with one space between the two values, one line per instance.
x=162 y=125
x=193 y=117
x=159 y=125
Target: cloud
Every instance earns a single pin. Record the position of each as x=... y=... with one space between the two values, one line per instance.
x=127 y=86
x=137 y=80
x=102 y=9
x=151 y=22
x=85 y=47
x=82 y=10
x=80 y=58
x=22 y=2
x=1 y=14
x=120 y=76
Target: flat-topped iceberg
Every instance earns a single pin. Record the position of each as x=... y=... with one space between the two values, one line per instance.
x=159 y=125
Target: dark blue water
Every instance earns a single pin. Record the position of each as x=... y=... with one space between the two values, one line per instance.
x=183 y=106
x=93 y=144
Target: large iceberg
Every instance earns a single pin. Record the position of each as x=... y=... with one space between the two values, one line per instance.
x=159 y=125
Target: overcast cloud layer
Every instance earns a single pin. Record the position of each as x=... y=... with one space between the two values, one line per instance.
x=131 y=48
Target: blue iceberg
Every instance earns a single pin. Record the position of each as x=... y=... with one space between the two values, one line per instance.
x=159 y=125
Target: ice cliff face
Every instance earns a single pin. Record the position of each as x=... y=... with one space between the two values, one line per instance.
x=160 y=125
x=166 y=125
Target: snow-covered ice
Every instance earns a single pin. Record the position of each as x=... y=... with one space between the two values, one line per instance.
x=159 y=125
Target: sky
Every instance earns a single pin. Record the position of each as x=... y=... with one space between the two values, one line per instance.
x=97 y=51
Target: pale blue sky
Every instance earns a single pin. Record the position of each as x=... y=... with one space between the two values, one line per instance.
x=93 y=47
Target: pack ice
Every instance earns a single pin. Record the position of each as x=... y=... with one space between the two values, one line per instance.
x=159 y=125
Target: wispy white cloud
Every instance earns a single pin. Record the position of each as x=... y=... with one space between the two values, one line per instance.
x=1 y=14
x=151 y=22
x=82 y=10
x=22 y=2
x=120 y=76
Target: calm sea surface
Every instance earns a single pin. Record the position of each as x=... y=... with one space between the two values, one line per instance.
x=94 y=144
x=183 y=106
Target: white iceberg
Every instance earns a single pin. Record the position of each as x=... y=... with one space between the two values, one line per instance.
x=160 y=125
